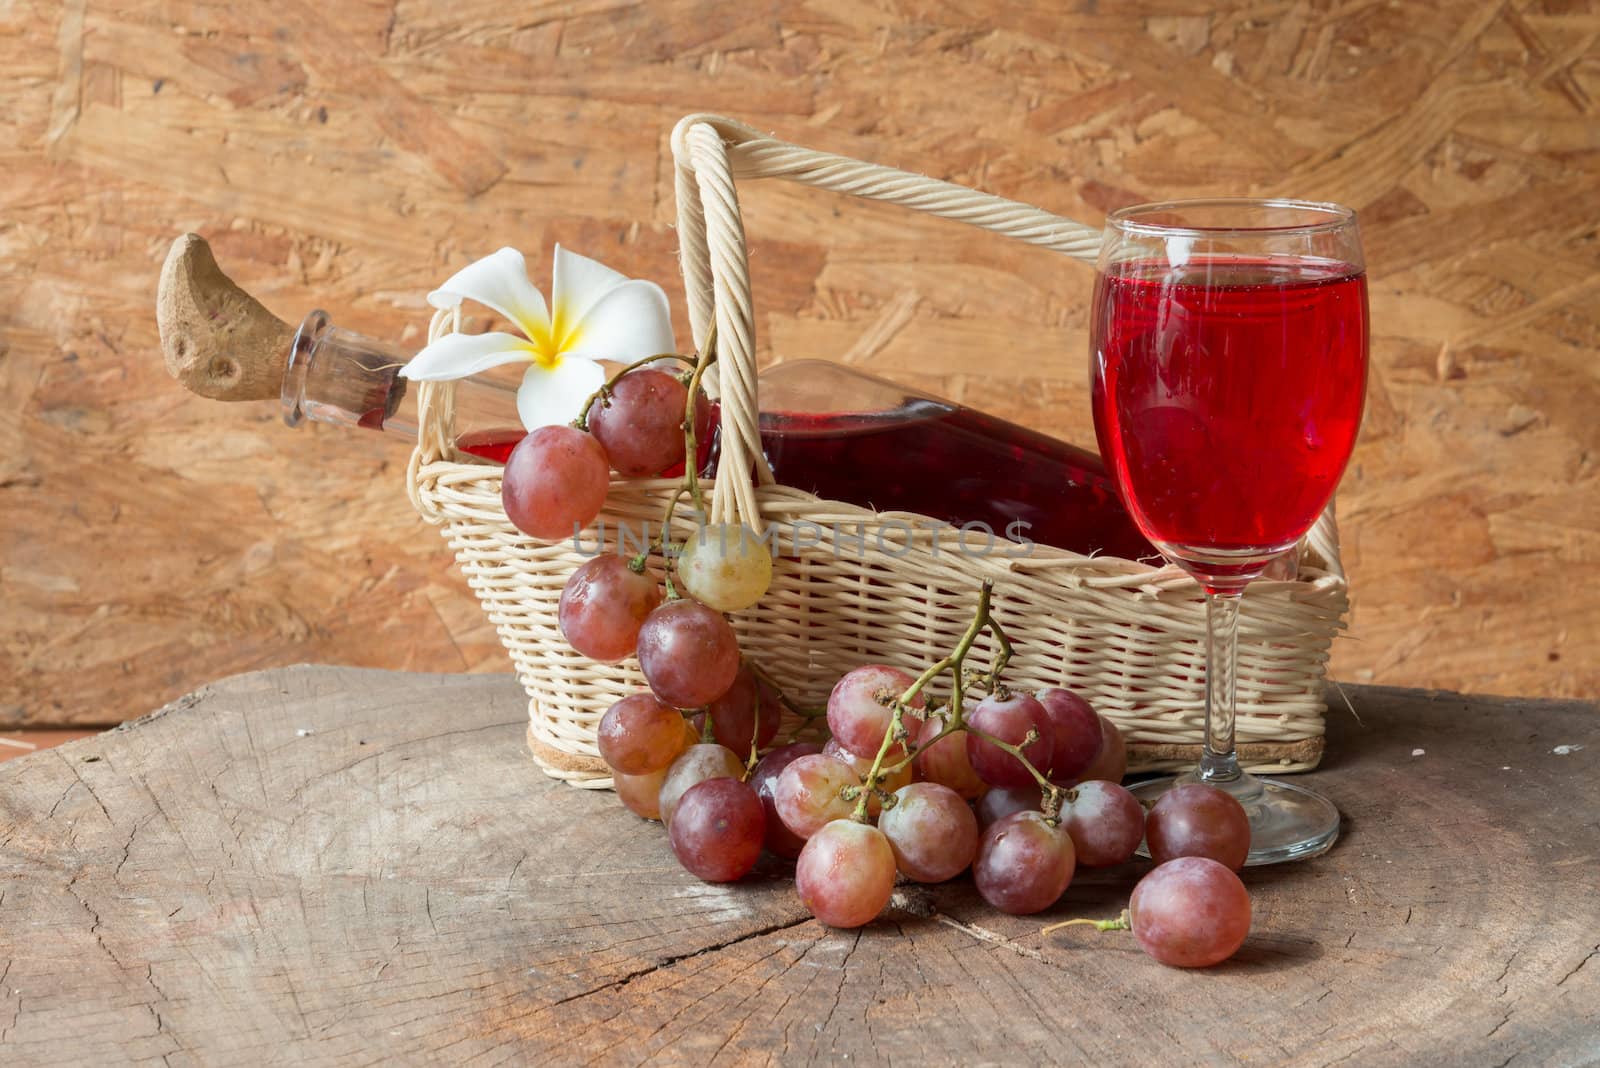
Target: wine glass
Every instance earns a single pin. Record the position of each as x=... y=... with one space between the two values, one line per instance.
x=1229 y=366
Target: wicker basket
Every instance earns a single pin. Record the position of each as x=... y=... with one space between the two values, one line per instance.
x=878 y=587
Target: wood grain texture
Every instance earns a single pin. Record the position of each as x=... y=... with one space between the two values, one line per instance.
x=350 y=156
x=335 y=866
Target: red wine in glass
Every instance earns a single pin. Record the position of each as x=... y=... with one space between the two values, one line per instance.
x=1228 y=358
x=1227 y=397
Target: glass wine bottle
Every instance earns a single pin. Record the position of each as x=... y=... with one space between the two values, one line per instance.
x=826 y=428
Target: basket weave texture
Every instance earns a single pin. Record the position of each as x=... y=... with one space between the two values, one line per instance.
x=876 y=587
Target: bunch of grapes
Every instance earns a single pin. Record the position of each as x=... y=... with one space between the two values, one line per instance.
x=646 y=422
x=1020 y=789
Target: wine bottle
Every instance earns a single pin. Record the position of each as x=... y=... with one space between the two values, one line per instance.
x=826 y=428
x=844 y=435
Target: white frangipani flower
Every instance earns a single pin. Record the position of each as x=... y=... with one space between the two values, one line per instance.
x=598 y=314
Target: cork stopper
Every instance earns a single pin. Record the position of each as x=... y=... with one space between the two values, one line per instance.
x=218 y=340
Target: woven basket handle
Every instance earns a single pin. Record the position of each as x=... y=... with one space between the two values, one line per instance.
x=710 y=152
x=436 y=422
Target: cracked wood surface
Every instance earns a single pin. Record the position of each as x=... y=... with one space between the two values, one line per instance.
x=351 y=156
x=339 y=866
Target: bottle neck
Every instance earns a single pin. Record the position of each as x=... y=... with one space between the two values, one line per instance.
x=337 y=376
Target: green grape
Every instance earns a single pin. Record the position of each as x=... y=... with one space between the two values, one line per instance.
x=725 y=566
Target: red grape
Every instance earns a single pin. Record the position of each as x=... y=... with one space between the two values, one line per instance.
x=697 y=764
x=889 y=781
x=748 y=712
x=845 y=873
x=1112 y=763
x=1190 y=913
x=806 y=794
x=945 y=761
x=1077 y=734
x=1105 y=821
x=770 y=709
x=717 y=828
x=1009 y=719
x=1002 y=801
x=642 y=425
x=555 y=482
x=639 y=734
x=862 y=705
x=688 y=654
x=640 y=793
x=780 y=840
x=603 y=605
x=932 y=831
x=1196 y=820
x=1024 y=864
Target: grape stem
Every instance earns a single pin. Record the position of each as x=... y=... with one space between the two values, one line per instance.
x=1050 y=793
x=873 y=778
x=603 y=394
x=803 y=711
x=690 y=483
x=755 y=726
x=1121 y=923
x=955 y=710
x=981 y=619
x=660 y=543
x=691 y=444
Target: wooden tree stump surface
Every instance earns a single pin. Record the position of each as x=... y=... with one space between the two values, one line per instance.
x=340 y=866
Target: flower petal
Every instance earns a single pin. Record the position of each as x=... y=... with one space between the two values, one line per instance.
x=578 y=284
x=551 y=396
x=499 y=281
x=460 y=355
x=629 y=323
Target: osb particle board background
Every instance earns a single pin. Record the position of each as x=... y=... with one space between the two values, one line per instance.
x=350 y=155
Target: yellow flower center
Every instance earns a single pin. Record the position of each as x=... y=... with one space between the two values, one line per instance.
x=549 y=344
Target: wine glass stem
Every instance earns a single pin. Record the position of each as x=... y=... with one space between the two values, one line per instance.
x=1219 y=762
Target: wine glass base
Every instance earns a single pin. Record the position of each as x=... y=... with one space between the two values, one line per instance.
x=1287 y=822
